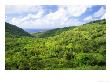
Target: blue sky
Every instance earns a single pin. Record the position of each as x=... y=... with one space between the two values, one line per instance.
x=52 y=16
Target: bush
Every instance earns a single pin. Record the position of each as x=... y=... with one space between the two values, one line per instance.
x=92 y=59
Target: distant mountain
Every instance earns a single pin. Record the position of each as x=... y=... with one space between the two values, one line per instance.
x=52 y=32
x=35 y=30
x=14 y=31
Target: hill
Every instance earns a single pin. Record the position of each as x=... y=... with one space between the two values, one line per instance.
x=57 y=31
x=81 y=47
x=14 y=31
x=53 y=32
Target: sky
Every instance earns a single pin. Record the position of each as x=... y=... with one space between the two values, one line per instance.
x=43 y=17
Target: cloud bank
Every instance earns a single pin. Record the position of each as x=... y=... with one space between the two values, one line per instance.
x=41 y=17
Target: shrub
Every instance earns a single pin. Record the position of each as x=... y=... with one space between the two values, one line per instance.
x=89 y=59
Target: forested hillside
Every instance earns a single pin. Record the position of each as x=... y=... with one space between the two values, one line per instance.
x=80 y=47
x=51 y=33
x=14 y=31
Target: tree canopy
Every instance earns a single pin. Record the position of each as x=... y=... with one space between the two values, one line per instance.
x=76 y=47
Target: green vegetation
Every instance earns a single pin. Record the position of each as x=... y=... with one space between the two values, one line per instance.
x=74 y=48
x=52 y=32
x=14 y=31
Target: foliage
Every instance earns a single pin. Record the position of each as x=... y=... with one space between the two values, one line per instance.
x=81 y=47
x=14 y=31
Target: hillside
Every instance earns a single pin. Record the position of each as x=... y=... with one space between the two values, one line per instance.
x=53 y=32
x=82 y=47
x=14 y=31
x=57 y=31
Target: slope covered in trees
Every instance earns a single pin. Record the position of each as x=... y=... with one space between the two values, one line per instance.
x=80 y=47
x=51 y=33
x=14 y=31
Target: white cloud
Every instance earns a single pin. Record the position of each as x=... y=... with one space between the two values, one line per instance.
x=77 y=10
x=100 y=12
x=103 y=16
x=59 y=14
x=17 y=21
x=58 y=19
x=13 y=9
x=37 y=15
x=89 y=18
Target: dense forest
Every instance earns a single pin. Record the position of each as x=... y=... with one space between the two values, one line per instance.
x=71 y=48
x=14 y=31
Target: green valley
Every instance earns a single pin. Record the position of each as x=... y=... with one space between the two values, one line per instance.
x=71 y=48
